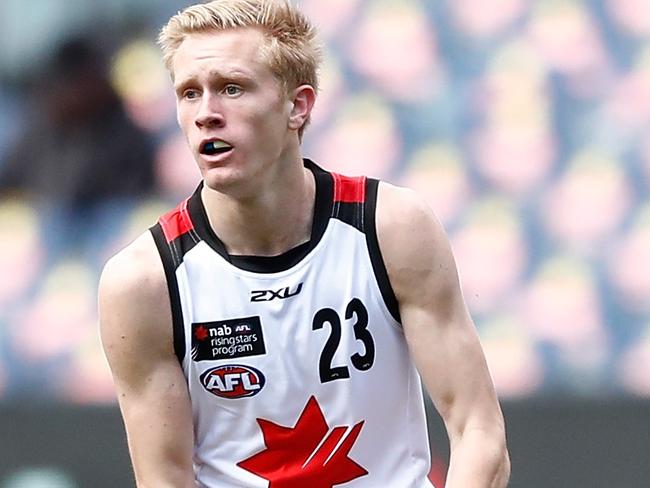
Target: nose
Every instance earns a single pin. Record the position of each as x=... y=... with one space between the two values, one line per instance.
x=209 y=114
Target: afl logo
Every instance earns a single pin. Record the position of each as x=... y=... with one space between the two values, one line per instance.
x=233 y=381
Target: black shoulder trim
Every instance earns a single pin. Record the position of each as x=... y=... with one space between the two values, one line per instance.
x=376 y=258
x=166 y=251
x=323 y=204
x=202 y=224
x=348 y=199
x=350 y=213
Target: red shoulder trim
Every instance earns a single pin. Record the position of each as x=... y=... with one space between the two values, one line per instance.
x=349 y=189
x=176 y=222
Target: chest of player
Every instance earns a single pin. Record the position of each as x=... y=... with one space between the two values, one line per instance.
x=322 y=322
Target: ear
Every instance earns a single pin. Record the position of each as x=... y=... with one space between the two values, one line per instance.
x=303 y=100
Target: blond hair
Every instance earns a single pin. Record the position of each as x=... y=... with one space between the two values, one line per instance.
x=291 y=49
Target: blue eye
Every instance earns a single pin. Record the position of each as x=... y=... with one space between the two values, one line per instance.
x=232 y=90
x=190 y=94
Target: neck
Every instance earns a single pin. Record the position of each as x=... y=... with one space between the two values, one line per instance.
x=270 y=220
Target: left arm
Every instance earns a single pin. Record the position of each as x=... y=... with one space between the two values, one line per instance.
x=442 y=339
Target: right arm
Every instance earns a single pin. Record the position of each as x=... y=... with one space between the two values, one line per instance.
x=136 y=332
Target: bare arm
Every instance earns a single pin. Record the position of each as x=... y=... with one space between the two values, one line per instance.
x=136 y=332
x=442 y=338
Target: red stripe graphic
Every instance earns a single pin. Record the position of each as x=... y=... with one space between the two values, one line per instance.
x=176 y=222
x=348 y=189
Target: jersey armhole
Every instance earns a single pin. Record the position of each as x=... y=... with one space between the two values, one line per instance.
x=378 y=266
x=169 y=265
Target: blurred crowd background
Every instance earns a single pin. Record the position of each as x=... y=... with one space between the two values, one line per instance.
x=525 y=123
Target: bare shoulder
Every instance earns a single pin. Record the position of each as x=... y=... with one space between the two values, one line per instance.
x=134 y=275
x=401 y=209
x=134 y=309
x=413 y=242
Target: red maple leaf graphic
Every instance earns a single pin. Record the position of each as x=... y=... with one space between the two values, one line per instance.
x=201 y=333
x=308 y=454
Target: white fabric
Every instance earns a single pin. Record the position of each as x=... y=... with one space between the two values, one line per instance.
x=392 y=445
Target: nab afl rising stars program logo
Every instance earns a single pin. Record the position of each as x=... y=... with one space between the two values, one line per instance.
x=227 y=339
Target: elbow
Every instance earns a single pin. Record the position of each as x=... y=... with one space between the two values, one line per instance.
x=485 y=448
x=497 y=459
x=502 y=475
x=501 y=457
x=495 y=454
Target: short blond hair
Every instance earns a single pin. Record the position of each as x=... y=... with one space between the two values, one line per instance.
x=291 y=50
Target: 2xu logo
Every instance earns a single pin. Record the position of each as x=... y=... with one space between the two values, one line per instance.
x=233 y=381
x=268 y=295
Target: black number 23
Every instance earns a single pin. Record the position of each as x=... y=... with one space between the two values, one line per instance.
x=361 y=333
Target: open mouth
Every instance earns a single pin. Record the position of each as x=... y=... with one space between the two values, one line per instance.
x=211 y=148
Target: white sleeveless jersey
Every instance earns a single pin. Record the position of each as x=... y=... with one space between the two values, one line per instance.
x=297 y=366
